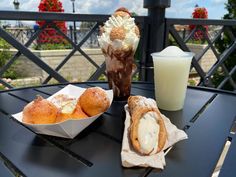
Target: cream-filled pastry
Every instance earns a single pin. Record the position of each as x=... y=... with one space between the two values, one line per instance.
x=40 y=111
x=61 y=99
x=66 y=104
x=69 y=106
x=147 y=130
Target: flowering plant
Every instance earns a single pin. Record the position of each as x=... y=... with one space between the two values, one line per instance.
x=199 y=12
x=49 y=34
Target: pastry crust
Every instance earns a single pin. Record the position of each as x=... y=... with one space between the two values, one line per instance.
x=40 y=111
x=94 y=100
x=136 y=114
x=135 y=102
x=77 y=114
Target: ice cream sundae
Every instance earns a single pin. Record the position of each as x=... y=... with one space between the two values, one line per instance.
x=118 y=40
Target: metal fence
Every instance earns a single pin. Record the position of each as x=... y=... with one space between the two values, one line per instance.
x=156 y=33
x=23 y=47
x=222 y=27
x=23 y=34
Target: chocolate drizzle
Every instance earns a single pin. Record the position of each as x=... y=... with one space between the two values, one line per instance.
x=119 y=66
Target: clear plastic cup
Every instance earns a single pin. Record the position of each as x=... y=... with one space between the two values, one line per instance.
x=171 y=71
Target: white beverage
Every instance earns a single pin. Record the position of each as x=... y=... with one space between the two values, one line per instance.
x=171 y=71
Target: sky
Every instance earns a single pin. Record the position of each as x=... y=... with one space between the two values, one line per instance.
x=178 y=9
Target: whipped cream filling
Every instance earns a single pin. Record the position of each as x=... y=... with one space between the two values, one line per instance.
x=66 y=104
x=148 y=130
x=131 y=39
x=68 y=107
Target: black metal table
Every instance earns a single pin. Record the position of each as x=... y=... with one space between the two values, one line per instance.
x=208 y=117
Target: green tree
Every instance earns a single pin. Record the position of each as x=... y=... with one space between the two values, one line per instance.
x=223 y=43
x=231 y=7
x=134 y=14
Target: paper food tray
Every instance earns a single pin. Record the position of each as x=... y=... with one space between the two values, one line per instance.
x=69 y=128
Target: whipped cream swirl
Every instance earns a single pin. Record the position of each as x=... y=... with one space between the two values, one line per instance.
x=131 y=38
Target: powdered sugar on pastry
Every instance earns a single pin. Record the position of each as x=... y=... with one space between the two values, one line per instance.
x=66 y=104
x=147 y=102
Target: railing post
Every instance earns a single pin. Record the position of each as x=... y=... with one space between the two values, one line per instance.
x=156 y=34
x=71 y=32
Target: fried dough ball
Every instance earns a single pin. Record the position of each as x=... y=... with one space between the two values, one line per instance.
x=94 y=100
x=77 y=114
x=40 y=111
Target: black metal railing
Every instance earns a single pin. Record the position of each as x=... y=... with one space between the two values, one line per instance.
x=157 y=32
x=23 y=34
x=23 y=47
x=210 y=40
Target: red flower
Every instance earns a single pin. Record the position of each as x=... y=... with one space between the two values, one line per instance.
x=49 y=34
x=199 y=12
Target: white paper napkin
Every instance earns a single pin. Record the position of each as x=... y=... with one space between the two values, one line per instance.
x=130 y=158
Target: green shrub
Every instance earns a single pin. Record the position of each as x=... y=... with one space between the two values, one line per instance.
x=102 y=78
x=5 y=55
x=50 y=46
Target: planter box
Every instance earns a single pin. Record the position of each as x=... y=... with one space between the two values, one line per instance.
x=78 y=68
